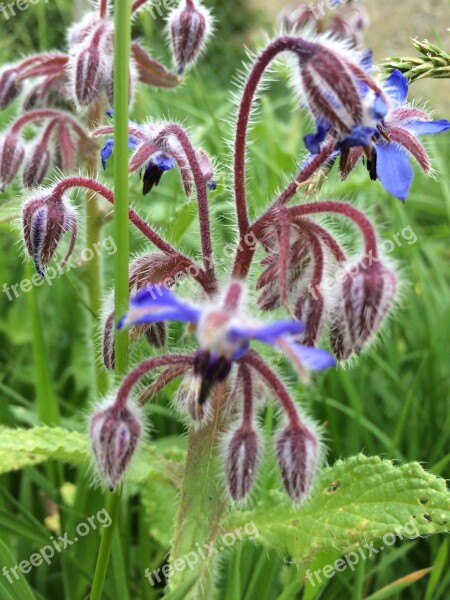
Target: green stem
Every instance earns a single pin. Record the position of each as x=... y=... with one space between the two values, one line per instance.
x=122 y=40
x=94 y=223
x=202 y=505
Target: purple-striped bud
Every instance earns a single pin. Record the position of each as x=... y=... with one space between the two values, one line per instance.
x=189 y=28
x=108 y=344
x=12 y=154
x=45 y=220
x=367 y=295
x=36 y=166
x=311 y=310
x=243 y=456
x=9 y=87
x=297 y=453
x=91 y=65
x=156 y=334
x=115 y=433
x=187 y=401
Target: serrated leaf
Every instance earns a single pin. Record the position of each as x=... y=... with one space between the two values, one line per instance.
x=354 y=501
x=24 y=447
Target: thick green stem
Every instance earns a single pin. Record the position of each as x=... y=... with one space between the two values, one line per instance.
x=203 y=505
x=94 y=218
x=122 y=40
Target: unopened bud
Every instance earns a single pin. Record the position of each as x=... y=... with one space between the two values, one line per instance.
x=156 y=334
x=189 y=28
x=9 y=88
x=368 y=292
x=11 y=157
x=36 y=166
x=243 y=456
x=45 y=220
x=108 y=344
x=297 y=453
x=115 y=433
x=311 y=311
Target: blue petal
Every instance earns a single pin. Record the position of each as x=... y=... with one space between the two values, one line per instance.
x=394 y=169
x=313 y=140
x=313 y=358
x=266 y=333
x=163 y=161
x=110 y=113
x=379 y=108
x=366 y=61
x=359 y=136
x=212 y=185
x=421 y=127
x=396 y=87
x=106 y=152
x=157 y=303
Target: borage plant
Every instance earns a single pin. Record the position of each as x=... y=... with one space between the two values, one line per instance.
x=302 y=282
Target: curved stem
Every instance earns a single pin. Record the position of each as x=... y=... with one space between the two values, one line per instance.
x=326 y=237
x=148 y=365
x=346 y=210
x=37 y=115
x=70 y=182
x=253 y=359
x=202 y=194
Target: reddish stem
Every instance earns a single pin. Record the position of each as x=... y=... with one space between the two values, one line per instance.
x=346 y=210
x=254 y=360
x=137 y=5
x=37 y=115
x=163 y=379
x=202 y=193
x=326 y=238
x=148 y=365
x=247 y=412
x=71 y=182
x=103 y=8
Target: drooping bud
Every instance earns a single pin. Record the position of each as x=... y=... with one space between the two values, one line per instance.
x=189 y=28
x=108 y=344
x=12 y=154
x=297 y=453
x=368 y=292
x=310 y=309
x=45 y=220
x=187 y=400
x=9 y=87
x=115 y=433
x=156 y=334
x=243 y=456
x=90 y=65
x=36 y=166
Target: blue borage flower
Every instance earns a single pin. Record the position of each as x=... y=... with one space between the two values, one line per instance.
x=222 y=335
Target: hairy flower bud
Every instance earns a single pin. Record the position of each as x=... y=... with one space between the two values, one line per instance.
x=297 y=453
x=243 y=456
x=9 y=87
x=45 y=220
x=115 y=433
x=189 y=28
x=36 y=166
x=310 y=309
x=11 y=157
x=368 y=293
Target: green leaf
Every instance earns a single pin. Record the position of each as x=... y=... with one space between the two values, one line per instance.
x=354 y=501
x=19 y=588
x=159 y=499
x=24 y=447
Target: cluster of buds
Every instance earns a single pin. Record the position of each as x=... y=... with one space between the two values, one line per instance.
x=344 y=20
x=81 y=78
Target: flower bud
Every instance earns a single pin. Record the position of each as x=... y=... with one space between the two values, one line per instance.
x=45 y=220
x=189 y=28
x=368 y=293
x=108 y=344
x=310 y=309
x=297 y=453
x=156 y=334
x=11 y=157
x=90 y=65
x=243 y=456
x=9 y=88
x=115 y=433
x=187 y=400
x=36 y=166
